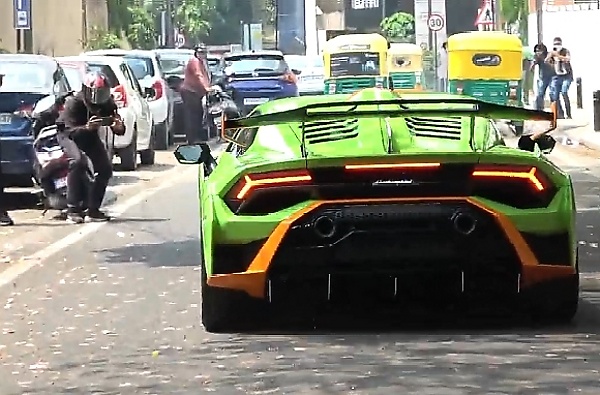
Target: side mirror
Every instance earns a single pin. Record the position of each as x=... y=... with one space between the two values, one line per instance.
x=296 y=71
x=149 y=92
x=194 y=154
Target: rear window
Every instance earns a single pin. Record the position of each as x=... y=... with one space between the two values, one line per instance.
x=486 y=59
x=74 y=77
x=354 y=63
x=142 y=67
x=255 y=64
x=174 y=64
x=25 y=77
x=106 y=70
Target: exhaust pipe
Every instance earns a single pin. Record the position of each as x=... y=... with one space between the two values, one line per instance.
x=324 y=227
x=464 y=223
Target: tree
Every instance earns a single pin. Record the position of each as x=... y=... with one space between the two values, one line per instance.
x=399 y=27
x=194 y=18
x=141 y=31
x=516 y=12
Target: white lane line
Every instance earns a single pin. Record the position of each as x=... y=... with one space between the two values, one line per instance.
x=586 y=209
x=27 y=263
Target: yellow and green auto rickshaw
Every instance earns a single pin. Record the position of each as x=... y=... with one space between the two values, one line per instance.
x=405 y=67
x=487 y=65
x=354 y=62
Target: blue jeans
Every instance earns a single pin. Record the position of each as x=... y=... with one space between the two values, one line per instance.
x=560 y=88
x=542 y=86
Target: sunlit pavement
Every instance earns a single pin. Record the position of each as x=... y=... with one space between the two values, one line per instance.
x=114 y=309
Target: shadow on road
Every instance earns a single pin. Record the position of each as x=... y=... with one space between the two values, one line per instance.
x=184 y=253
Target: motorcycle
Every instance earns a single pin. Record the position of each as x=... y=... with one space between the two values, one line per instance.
x=219 y=102
x=51 y=164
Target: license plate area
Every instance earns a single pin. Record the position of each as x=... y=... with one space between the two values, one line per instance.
x=5 y=119
x=253 y=101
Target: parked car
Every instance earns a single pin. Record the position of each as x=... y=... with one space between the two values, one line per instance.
x=255 y=77
x=146 y=68
x=133 y=106
x=311 y=79
x=27 y=79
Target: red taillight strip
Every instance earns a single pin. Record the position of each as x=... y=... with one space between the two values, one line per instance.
x=249 y=183
x=378 y=166
x=527 y=175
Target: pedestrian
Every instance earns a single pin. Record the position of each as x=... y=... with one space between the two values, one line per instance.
x=5 y=219
x=443 y=68
x=195 y=86
x=545 y=74
x=560 y=59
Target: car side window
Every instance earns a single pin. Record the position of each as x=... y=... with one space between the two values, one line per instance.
x=136 y=83
x=125 y=71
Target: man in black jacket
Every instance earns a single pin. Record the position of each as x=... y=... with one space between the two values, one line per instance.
x=83 y=115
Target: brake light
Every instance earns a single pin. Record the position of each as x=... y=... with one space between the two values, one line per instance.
x=529 y=174
x=159 y=89
x=385 y=166
x=512 y=93
x=250 y=182
x=24 y=111
x=289 y=77
x=120 y=96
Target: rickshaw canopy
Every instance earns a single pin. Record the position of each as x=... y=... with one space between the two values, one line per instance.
x=485 y=56
x=405 y=57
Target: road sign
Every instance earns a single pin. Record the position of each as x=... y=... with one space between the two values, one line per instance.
x=179 y=40
x=485 y=16
x=435 y=22
x=22 y=14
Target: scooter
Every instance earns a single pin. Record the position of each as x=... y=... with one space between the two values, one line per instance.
x=219 y=102
x=51 y=164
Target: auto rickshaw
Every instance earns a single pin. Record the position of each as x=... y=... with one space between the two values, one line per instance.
x=405 y=67
x=487 y=65
x=354 y=62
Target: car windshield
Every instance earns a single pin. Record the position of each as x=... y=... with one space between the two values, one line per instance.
x=257 y=64
x=74 y=77
x=106 y=70
x=22 y=76
x=142 y=67
x=304 y=62
x=213 y=64
x=174 y=63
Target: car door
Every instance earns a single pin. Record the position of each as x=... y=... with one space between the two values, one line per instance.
x=142 y=111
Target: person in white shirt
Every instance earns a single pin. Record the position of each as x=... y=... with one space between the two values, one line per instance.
x=443 y=68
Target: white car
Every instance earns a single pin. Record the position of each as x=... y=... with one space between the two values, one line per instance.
x=146 y=68
x=311 y=80
x=131 y=100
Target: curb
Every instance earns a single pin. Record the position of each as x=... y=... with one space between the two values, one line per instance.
x=584 y=137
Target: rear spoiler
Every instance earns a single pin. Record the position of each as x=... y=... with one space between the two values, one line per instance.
x=447 y=107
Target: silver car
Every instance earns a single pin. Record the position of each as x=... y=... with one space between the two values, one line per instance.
x=311 y=80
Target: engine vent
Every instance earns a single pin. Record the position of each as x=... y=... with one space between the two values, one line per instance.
x=327 y=131
x=441 y=128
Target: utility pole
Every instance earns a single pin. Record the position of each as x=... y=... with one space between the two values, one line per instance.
x=383 y=6
x=539 y=20
x=430 y=38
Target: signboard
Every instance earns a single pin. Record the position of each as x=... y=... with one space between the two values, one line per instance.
x=256 y=37
x=22 y=14
x=435 y=22
x=179 y=40
x=485 y=16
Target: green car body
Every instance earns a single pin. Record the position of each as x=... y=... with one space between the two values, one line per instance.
x=271 y=189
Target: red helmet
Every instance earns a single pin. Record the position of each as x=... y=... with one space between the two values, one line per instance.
x=96 y=88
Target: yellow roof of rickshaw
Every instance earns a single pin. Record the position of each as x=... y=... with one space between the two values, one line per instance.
x=477 y=41
x=405 y=49
x=356 y=39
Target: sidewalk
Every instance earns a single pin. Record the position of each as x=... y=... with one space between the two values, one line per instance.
x=580 y=129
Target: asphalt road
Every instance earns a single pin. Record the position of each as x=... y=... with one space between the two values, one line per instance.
x=114 y=309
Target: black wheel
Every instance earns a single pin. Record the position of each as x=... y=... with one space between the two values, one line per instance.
x=226 y=311
x=128 y=154
x=147 y=156
x=161 y=137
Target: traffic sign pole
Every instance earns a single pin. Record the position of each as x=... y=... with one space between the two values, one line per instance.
x=435 y=22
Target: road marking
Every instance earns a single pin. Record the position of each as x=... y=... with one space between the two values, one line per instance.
x=586 y=209
x=27 y=263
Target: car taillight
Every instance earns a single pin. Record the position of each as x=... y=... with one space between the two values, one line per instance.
x=262 y=193
x=517 y=186
x=120 y=96
x=289 y=77
x=159 y=89
x=24 y=111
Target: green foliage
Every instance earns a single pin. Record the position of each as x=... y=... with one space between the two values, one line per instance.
x=141 y=31
x=194 y=18
x=515 y=12
x=101 y=39
x=399 y=27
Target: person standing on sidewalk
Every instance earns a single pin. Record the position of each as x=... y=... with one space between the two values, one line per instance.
x=560 y=59
x=545 y=74
x=5 y=219
x=195 y=86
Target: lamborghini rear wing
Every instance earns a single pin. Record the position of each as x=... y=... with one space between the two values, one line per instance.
x=423 y=107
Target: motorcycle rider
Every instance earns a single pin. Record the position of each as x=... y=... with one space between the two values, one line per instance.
x=83 y=116
x=196 y=84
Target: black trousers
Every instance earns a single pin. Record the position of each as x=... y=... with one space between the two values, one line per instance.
x=195 y=130
x=79 y=193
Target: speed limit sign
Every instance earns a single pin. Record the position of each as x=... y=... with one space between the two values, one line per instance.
x=435 y=22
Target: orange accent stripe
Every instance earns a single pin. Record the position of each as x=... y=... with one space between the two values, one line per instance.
x=253 y=280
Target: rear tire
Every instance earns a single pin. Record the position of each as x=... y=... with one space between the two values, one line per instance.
x=161 y=136
x=147 y=156
x=128 y=154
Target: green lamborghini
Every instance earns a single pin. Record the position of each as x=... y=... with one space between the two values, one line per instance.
x=381 y=199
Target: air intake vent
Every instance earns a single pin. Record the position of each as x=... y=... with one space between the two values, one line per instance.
x=441 y=128
x=326 y=131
